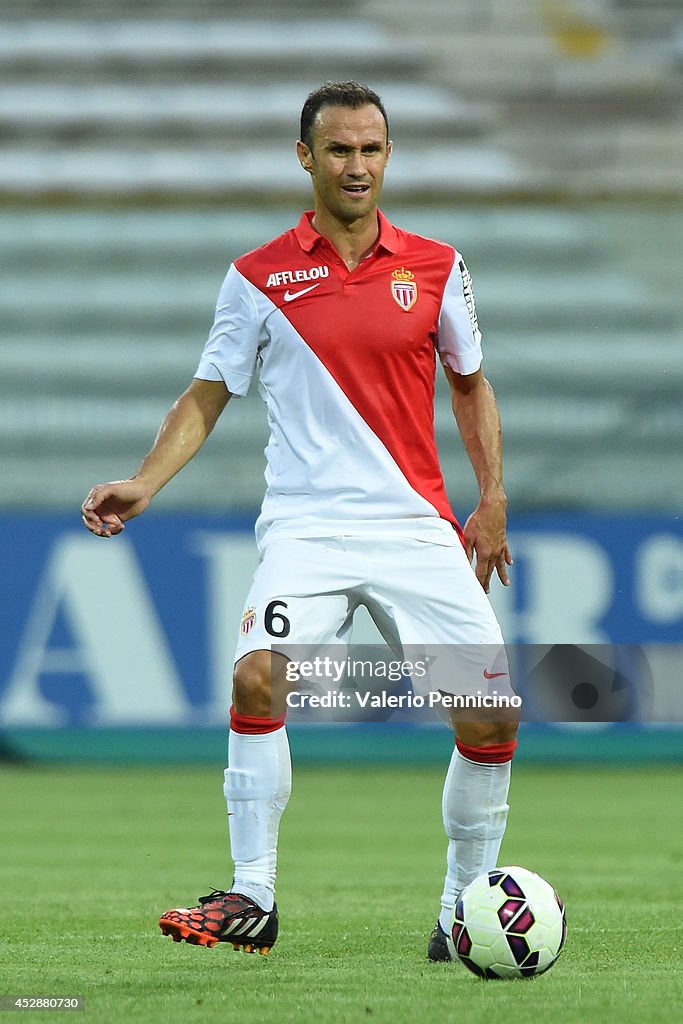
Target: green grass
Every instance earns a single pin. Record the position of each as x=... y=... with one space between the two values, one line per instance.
x=90 y=858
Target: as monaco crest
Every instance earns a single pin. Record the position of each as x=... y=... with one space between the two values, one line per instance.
x=248 y=621
x=403 y=288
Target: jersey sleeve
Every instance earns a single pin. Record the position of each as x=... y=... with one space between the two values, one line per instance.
x=232 y=346
x=459 y=338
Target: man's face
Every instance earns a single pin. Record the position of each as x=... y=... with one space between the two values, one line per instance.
x=347 y=160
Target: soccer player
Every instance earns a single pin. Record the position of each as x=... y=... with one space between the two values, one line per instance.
x=342 y=317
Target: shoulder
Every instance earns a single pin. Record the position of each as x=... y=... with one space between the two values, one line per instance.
x=412 y=241
x=262 y=260
x=440 y=253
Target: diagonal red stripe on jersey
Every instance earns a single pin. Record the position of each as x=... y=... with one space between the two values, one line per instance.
x=380 y=354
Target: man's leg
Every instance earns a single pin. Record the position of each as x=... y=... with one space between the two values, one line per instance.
x=307 y=581
x=258 y=779
x=257 y=787
x=427 y=595
x=475 y=809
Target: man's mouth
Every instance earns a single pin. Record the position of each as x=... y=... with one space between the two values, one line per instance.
x=356 y=188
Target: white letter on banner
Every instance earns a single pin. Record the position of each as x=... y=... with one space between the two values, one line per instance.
x=231 y=562
x=659 y=578
x=120 y=644
x=568 y=583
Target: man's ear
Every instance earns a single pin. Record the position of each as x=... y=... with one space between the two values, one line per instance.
x=305 y=156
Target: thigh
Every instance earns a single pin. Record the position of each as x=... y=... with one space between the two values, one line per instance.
x=303 y=593
x=428 y=596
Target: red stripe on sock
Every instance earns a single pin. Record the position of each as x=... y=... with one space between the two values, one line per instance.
x=497 y=753
x=252 y=726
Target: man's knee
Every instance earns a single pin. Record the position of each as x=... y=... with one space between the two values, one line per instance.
x=252 y=691
x=485 y=734
x=259 y=685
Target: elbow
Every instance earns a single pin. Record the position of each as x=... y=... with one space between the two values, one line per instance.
x=469 y=384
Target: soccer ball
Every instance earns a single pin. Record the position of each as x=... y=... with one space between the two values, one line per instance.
x=508 y=923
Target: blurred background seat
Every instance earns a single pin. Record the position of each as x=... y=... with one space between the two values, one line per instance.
x=146 y=145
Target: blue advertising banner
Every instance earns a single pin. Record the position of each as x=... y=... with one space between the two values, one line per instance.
x=139 y=631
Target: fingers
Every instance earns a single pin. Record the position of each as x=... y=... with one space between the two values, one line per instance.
x=100 y=523
x=483 y=568
x=486 y=565
x=98 y=526
x=486 y=544
x=113 y=524
x=105 y=526
x=484 y=572
x=96 y=496
x=501 y=566
x=476 y=557
x=501 y=569
x=91 y=520
x=469 y=540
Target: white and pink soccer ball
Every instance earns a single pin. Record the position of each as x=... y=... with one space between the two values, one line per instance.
x=508 y=923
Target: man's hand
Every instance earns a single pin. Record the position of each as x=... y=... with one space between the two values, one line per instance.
x=185 y=429
x=108 y=506
x=476 y=413
x=485 y=537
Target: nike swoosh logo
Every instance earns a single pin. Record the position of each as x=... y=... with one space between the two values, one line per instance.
x=289 y=296
x=493 y=675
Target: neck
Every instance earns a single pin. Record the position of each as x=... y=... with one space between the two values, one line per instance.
x=352 y=241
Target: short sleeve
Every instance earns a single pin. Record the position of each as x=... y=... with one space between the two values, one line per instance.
x=231 y=349
x=459 y=338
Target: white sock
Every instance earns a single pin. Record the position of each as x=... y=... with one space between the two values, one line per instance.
x=475 y=812
x=258 y=782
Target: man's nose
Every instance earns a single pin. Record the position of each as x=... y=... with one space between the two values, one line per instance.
x=355 y=164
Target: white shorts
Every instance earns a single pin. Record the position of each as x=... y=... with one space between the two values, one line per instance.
x=418 y=593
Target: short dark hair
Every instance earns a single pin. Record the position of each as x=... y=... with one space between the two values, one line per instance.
x=337 y=94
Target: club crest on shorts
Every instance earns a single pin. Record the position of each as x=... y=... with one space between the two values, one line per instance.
x=248 y=621
x=403 y=288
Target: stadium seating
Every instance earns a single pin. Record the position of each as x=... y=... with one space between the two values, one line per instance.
x=146 y=144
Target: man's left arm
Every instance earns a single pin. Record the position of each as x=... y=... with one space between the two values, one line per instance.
x=476 y=413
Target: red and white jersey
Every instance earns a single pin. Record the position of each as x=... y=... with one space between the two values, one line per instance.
x=346 y=365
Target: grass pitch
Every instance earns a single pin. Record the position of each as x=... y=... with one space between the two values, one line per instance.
x=91 y=858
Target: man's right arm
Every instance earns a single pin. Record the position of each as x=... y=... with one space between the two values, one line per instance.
x=184 y=430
